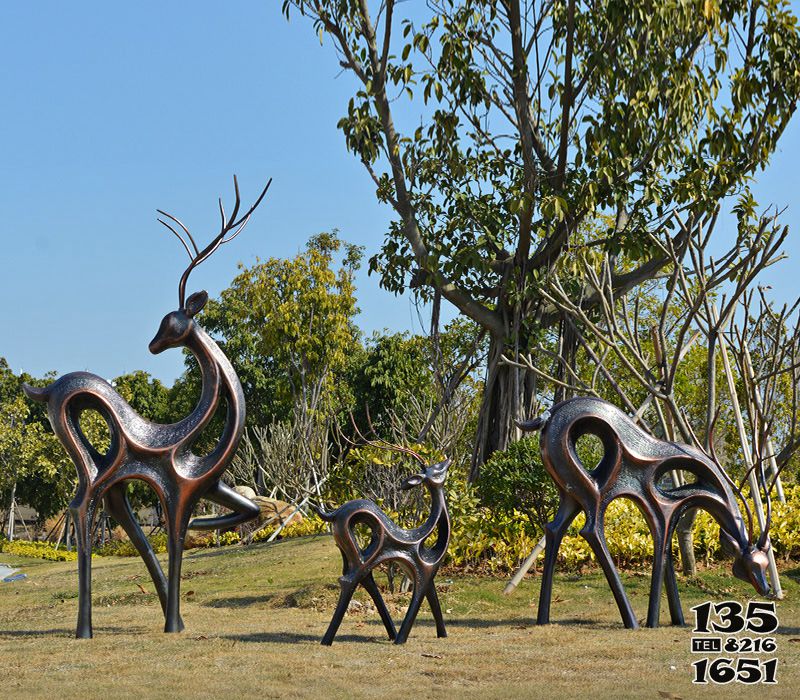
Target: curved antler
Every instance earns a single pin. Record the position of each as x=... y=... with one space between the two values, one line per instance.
x=228 y=224
x=380 y=443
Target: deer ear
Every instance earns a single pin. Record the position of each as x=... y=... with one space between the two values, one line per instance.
x=195 y=303
x=411 y=482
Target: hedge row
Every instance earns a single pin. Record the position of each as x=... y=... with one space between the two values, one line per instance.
x=496 y=543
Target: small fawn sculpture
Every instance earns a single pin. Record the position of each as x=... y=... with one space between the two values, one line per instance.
x=160 y=455
x=387 y=543
x=633 y=465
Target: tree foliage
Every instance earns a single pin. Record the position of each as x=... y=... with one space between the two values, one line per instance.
x=288 y=325
x=529 y=120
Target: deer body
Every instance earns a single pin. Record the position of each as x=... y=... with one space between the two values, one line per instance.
x=633 y=466
x=389 y=542
x=160 y=455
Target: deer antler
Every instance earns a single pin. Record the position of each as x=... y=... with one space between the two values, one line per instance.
x=228 y=224
x=380 y=443
x=712 y=452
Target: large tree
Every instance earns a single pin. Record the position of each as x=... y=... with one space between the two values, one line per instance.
x=501 y=131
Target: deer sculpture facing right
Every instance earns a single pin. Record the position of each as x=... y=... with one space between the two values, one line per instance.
x=391 y=543
x=634 y=465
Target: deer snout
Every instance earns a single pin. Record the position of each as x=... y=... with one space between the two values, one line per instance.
x=157 y=345
x=172 y=332
x=751 y=567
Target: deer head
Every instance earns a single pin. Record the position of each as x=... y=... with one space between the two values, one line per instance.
x=432 y=475
x=750 y=561
x=750 y=566
x=177 y=326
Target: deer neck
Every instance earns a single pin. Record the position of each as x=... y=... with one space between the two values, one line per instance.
x=730 y=519
x=218 y=377
x=438 y=516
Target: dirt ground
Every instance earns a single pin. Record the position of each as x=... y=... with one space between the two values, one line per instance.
x=254 y=618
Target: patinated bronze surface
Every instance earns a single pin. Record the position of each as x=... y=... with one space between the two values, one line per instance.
x=636 y=465
x=388 y=543
x=160 y=455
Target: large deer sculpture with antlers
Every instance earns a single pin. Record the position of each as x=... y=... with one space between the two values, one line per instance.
x=634 y=465
x=160 y=455
x=390 y=543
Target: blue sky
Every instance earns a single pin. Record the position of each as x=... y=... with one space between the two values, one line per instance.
x=115 y=109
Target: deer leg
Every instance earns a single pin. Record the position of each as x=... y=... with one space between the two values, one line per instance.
x=82 y=517
x=413 y=608
x=348 y=587
x=554 y=532
x=119 y=507
x=436 y=608
x=657 y=579
x=223 y=495
x=671 y=584
x=177 y=520
x=593 y=534
x=380 y=605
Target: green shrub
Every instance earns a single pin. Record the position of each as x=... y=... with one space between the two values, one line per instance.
x=515 y=482
x=483 y=540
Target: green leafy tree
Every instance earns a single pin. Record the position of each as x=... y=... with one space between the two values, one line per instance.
x=391 y=368
x=525 y=121
x=288 y=327
x=148 y=396
x=33 y=468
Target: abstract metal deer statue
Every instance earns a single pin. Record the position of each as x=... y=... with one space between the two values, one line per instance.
x=634 y=465
x=160 y=455
x=390 y=543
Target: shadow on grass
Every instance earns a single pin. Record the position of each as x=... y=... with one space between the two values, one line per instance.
x=242 y=601
x=302 y=638
x=255 y=547
x=63 y=632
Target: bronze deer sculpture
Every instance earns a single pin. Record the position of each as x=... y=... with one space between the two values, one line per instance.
x=391 y=543
x=160 y=455
x=633 y=466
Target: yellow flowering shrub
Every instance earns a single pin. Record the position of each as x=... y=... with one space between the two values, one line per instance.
x=37 y=550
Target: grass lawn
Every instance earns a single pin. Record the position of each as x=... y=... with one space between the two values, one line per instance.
x=254 y=617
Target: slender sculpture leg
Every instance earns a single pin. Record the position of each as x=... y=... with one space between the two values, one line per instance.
x=671 y=584
x=177 y=521
x=554 y=532
x=593 y=534
x=348 y=587
x=82 y=517
x=119 y=507
x=657 y=579
x=436 y=608
x=413 y=608
x=223 y=495
x=380 y=605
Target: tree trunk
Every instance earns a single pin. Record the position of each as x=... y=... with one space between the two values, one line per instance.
x=11 y=515
x=686 y=542
x=508 y=396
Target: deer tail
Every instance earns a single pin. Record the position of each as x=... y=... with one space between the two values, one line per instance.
x=534 y=424
x=35 y=393
x=327 y=517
